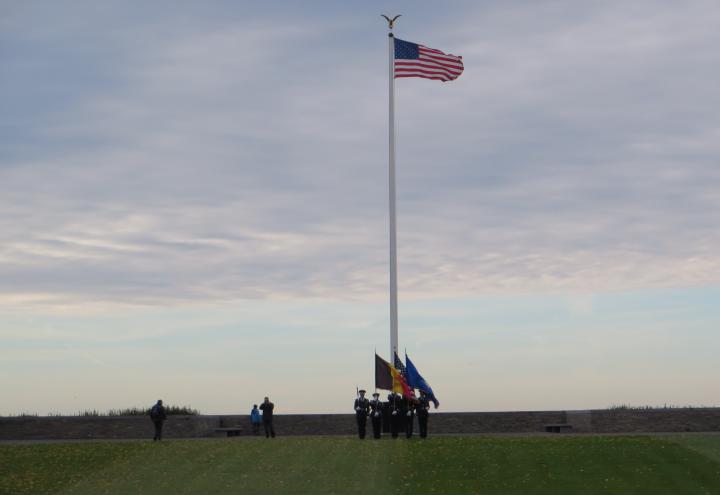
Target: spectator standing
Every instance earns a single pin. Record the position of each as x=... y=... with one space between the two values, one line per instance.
x=267 y=417
x=158 y=417
x=255 y=419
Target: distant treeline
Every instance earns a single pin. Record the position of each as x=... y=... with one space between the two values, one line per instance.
x=130 y=411
x=628 y=407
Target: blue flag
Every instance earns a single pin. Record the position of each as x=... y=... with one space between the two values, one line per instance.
x=415 y=380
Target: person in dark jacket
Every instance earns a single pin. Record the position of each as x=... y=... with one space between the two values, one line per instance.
x=376 y=415
x=422 y=408
x=158 y=417
x=361 y=406
x=267 y=417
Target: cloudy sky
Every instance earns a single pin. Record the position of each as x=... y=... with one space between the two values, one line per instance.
x=193 y=204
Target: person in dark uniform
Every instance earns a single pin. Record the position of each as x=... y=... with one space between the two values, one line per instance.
x=422 y=408
x=158 y=417
x=395 y=401
x=376 y=415
x=361 y=411
x=409 y=410
x=267 y=417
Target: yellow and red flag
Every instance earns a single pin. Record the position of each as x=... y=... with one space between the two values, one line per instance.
x=387 y=377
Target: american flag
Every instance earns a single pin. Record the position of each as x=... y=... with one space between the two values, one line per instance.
x=413 y=60
x=400 y=366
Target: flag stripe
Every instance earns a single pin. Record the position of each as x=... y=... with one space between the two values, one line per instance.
x=450 y=64
x=439 y=57
x=383 y=375
x=437 y=78
x=417 y=73
x=399 y=64
x=423 y=69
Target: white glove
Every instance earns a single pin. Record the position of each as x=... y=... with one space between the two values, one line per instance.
x=357 y=408
x=409 y=413
x=394 y=413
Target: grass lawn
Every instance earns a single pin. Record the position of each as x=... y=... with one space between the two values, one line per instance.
x=452 y=465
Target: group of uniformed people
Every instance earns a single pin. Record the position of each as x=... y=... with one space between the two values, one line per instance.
x=401 y=411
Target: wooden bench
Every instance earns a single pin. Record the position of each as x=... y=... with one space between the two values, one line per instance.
x=230 y=432
x=558 y=428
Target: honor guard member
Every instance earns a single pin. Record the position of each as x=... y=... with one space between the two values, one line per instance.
x=376 y=415
x=361 y=411
x=409 y=410
x=422 y=408
x=396 y=417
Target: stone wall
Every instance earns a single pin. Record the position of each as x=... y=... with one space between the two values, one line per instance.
x=596 y=421
x=106 y=427
x=656 y=420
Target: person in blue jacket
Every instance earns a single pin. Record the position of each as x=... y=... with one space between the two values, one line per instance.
x=255 y=419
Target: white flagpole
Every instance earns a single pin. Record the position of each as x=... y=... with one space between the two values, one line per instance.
x=393 y=227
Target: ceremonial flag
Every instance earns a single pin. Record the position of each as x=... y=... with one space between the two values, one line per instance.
x=383 y=376
x=415 y=380
x=413 y=60
x=389 y=378
x=401 y=368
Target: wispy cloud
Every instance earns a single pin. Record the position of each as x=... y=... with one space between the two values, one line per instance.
x=195 y=162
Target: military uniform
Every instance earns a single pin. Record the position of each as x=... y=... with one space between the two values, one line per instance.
x=396 y=416
x=409 y=411
x=422 y=408
x=376 y=415
x=361 y=411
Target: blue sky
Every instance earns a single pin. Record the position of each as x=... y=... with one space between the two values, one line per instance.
x=194 y=204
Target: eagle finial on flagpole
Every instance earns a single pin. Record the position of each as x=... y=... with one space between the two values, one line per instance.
x=391 y=22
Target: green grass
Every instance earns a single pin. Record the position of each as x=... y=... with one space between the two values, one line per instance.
x=453 y=465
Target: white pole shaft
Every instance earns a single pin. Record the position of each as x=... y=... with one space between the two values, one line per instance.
x=393 y=227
